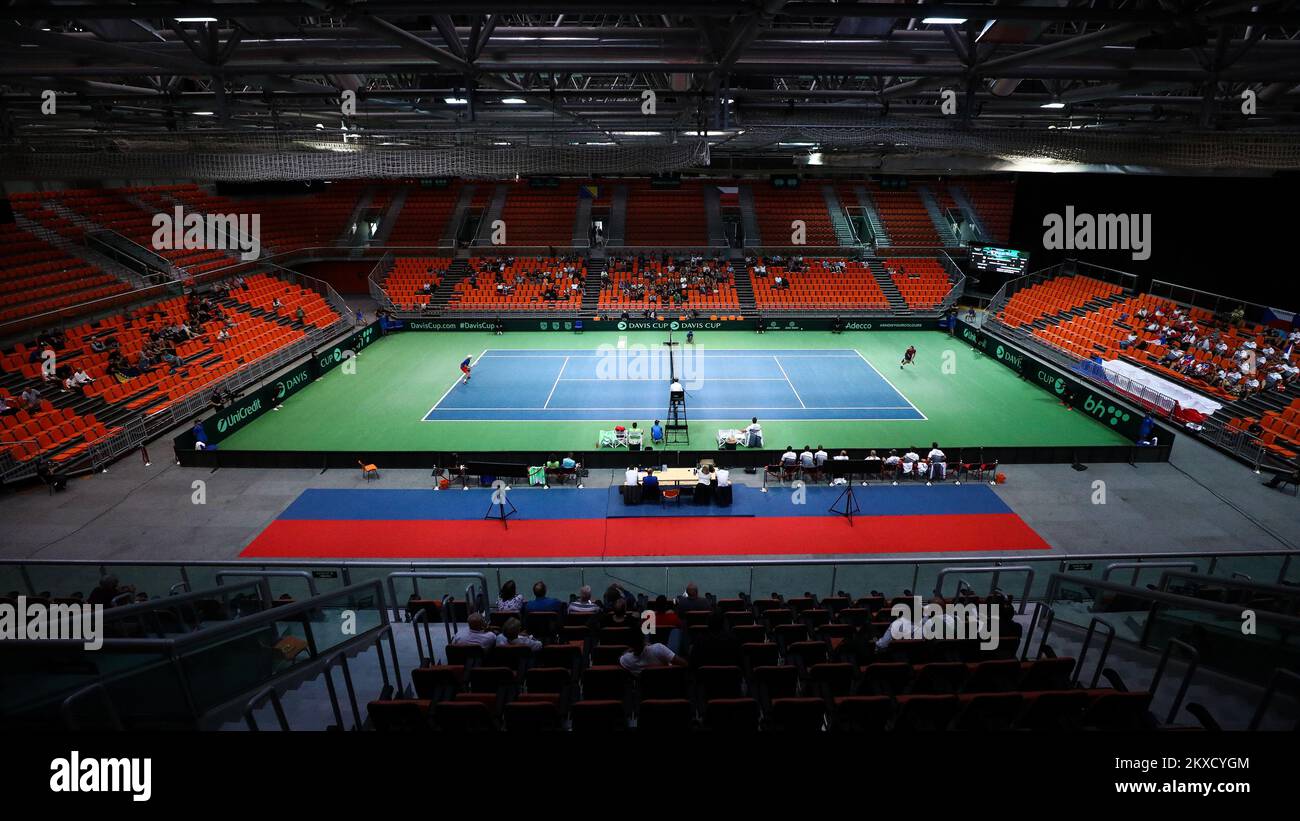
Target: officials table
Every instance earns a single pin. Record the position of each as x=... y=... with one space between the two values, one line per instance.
x=673 y=476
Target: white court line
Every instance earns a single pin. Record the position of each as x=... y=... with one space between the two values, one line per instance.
x=706 y=379
x=547 y=403
x=777 y=360
x=624 y=409
x=923 y=418
x=525 y=353
x=453 y=386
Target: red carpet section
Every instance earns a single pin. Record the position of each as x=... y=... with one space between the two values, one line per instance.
x=593 y=524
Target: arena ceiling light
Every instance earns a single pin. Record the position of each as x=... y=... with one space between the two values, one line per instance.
x=455 y=101
x=202 y=113
x=797 y=145
x=1053 y=104
x=195 y=19
x=943 y=21
x=513 y=101
x=637 y=133
x=712 y=133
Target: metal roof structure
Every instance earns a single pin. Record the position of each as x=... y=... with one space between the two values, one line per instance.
x=915 y=85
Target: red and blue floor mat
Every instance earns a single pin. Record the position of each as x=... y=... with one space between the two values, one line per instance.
x=594 y=523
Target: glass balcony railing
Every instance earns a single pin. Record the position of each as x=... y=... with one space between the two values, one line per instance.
x=211 y=664
x=756 y=578
x=1239 y=641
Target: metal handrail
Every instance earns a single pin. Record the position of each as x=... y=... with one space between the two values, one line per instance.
x=1083 y=650
x=1039 y=607
x=96 y=688
x=574 y=564
x=263 y=574
x=322 y=665
x=391 y=579
x=1279 y=677
x=1195 y=662
x=1237 y=581
x=996 y=570
x=257 y=701
x=422 y=619
x=1139 y=565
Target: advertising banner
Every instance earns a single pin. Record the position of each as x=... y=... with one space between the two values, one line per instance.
x=1068 y=387
x=817 y=323
x=253 y=404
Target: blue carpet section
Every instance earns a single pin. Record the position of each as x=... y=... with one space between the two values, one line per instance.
x=611 y=383
x=600 y=503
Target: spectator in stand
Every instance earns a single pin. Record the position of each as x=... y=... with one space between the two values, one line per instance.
x=692 y=600
x=108 y=589
x=510 y=600
x=903 y=627
x=615 y=592
x=543 y=603
x=616 y=615
x=475 y=632
x=584 y=604
x=665 y=614
x=31 y=399
x=512 y=634
x=641 y=655
x=5 y=407
x=80 y=378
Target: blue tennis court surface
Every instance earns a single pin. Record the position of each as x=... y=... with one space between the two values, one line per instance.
x=576 y=385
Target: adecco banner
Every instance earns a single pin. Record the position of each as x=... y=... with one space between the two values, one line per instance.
x=1078 y=393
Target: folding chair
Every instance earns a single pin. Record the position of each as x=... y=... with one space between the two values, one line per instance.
x=368 y=471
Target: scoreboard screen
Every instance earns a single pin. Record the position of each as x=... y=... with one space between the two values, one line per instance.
x=992 y=259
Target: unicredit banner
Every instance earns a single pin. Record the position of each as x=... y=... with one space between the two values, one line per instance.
x=253 y=404
x=1076 y=392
